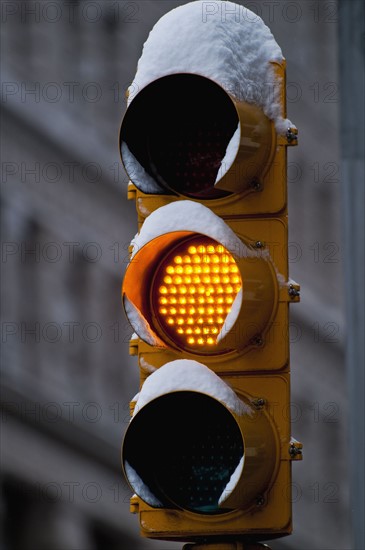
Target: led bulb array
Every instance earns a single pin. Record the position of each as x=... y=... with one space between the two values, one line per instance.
x=196 y=287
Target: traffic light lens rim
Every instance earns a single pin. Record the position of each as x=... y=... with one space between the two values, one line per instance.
x=152 y=432
x=191 y=87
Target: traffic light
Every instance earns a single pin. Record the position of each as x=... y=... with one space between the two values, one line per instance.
x=208 y=450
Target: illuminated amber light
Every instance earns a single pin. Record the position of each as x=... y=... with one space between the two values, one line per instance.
x=195 y=288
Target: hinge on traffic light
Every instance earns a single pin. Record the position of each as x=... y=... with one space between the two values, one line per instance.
x=292 y=136
x=294 y=291
x=290 y=292
x=295 y=449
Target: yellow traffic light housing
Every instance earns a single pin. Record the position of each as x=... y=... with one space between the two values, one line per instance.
x=208 y=450
x=216 y=457
x=170 y=142
x=209 y=292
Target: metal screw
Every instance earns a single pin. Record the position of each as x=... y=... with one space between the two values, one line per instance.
x=291 y=135
x=257 y=341
x=259 y=244
x=293 y=450
x=256 y=185
x=260 y=501
x=258 y=403
x=293 y=292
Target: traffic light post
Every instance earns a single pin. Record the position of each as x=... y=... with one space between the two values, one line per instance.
x=208 y=451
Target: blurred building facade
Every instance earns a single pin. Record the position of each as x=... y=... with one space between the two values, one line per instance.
x=66 y=375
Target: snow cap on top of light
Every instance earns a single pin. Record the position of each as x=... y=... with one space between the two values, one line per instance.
x=189 y=375
x=220 y=40
x=189 y=216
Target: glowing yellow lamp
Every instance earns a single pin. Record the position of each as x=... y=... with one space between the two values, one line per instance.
x=193 y=292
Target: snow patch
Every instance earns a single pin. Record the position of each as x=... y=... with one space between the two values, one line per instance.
x=140 y=487
x=136 y=171
x=189 y=216
x=231 y=152
x=140 y=324
x=281 y=280
x=222 y=41
x=189 y=375
x=146 y=366
x=231 y=317
x=235 y=477
x=142 y=209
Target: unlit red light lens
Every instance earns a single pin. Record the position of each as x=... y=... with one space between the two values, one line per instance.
x=195 y=289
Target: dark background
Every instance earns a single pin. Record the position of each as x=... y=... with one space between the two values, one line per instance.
x=66 y=375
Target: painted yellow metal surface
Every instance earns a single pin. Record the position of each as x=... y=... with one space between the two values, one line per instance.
x=253 y=359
